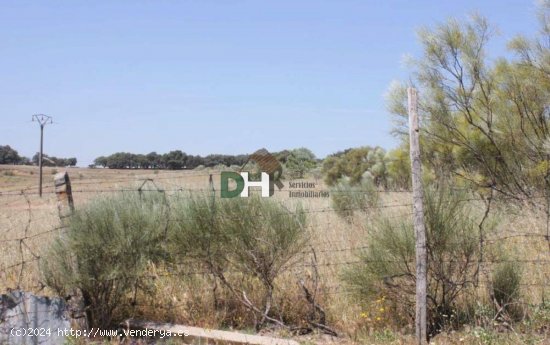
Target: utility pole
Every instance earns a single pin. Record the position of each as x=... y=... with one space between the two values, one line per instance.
x=42 y=121
x=419 y=226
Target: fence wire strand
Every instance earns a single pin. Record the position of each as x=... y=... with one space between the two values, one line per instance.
x=18 y=206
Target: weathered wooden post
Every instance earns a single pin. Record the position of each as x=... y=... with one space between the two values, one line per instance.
x=419 y=226
x=65 y=204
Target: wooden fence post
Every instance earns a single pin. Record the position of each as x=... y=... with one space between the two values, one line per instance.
x=65 y=204
x=419 y=226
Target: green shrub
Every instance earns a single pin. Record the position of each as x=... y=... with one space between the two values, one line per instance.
x=239 y=240
x=506 y=283
x=263 y=235
x=105 y=251
x=195 y=232
x=299 y=162
x=388 y=267
x=347 y=198
x=353 y=163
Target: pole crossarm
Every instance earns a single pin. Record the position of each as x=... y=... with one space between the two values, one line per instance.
x=42 y=119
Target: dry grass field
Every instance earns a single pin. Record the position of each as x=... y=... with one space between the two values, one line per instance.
x=28 y=224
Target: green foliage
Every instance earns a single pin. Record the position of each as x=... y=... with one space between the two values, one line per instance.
x=388 y=264
x=254 y=236
x=486 y=123
x=105 y=251
x=50 y=161
x=299 y=161
x=354 y=163
x=281 y=156
x=9 y=155
x=255 y=232
x=196 y=232
x=173 y=160
x=264 y=235
x=348 y=199
x=384 y=336
x=539 y=317
x=506 y=284
x=398 y=166
x=316 y=173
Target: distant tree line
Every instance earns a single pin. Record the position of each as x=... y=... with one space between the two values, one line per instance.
x=297 y=161
x=383 y=169
x=8 y=155
x=172 y=160
x=51 y=161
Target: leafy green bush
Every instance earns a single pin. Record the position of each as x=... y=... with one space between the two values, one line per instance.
x=353 y=163
x=105 y=251
x=299 y=162
x=388 y=267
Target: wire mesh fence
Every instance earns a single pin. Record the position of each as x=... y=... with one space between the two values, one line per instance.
x=29 y=223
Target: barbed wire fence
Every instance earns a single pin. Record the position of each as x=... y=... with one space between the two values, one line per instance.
x=29 y=223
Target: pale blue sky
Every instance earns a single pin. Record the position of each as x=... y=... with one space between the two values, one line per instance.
x=214 y=76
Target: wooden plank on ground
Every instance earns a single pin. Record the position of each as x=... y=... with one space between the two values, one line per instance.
x=196 y=335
